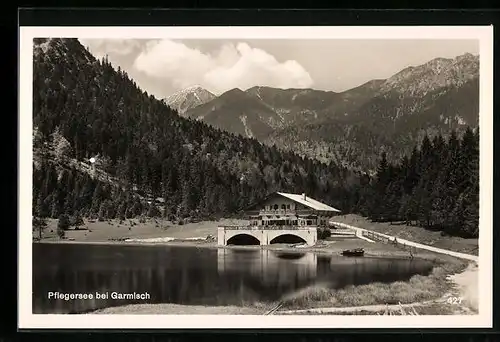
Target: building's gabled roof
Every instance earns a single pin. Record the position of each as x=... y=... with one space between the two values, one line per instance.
x=308 y=202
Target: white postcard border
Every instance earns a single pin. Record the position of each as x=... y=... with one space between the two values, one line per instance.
x=28 y=320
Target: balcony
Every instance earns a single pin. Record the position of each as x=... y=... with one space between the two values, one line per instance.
x=268 y=227
x=277 y=212
x=284 y=212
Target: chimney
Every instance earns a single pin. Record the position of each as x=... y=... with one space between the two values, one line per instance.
x=304 y=196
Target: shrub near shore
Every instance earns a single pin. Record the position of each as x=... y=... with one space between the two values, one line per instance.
x=419 y=288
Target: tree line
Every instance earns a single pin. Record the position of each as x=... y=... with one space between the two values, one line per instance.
x=436 y=187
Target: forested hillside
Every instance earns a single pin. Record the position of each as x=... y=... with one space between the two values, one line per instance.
x=436 y=187
x=196 y=169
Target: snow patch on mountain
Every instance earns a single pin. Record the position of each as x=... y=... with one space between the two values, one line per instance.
x=257 y=92
x=189 y=98
x=248 y=131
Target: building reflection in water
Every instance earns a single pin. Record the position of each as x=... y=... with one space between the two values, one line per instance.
x=273 y=269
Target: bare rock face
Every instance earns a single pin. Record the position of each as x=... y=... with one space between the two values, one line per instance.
x=435 y=74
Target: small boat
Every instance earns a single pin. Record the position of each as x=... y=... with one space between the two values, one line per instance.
x=353 y=252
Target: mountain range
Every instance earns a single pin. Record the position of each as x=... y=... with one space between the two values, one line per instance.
x=352 y=127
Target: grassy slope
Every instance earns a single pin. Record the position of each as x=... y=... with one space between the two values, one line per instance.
x=111 y=230
x=412 y=233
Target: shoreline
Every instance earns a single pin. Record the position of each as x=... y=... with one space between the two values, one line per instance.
x=450 y=275
x=203 y=235
x=326 y=249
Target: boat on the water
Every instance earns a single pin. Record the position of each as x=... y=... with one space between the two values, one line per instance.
x=353 y=252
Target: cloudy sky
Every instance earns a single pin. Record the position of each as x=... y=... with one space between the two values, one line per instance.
x=162 y=67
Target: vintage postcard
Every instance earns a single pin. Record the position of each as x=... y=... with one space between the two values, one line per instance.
x=255 y=177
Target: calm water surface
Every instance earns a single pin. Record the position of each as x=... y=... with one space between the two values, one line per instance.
x=194 y=276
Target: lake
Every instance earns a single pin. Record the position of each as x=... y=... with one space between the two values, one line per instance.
x=192 y=275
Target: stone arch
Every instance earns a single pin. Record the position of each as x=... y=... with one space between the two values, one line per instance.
x=243 y=239
x=287 y=238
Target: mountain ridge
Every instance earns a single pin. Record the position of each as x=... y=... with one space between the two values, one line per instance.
x=396 y=106
x=436 y=73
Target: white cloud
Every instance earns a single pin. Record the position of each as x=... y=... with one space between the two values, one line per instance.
x=232 y=66
x=101 y=47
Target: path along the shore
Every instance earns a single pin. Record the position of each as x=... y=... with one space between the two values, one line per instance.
x=359 y=233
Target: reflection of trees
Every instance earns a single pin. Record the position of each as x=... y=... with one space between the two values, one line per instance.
x=191 y=276
x=358 y=271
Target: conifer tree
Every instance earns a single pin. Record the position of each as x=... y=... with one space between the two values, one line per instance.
x=62 y=225
x=39 y=225
x=153 y=210
x=77 y=220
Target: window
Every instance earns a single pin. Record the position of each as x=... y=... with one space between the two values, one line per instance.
x=283 y=206
x=288 y=206
x=275 y=207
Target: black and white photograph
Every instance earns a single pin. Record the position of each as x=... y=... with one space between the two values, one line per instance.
x=255 y=177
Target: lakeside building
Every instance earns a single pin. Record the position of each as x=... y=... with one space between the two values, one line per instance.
x=285 y=209
x=278 y=216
